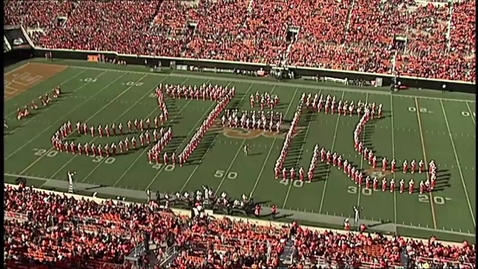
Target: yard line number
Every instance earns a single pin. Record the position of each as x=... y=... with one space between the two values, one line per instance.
x=108 y=160
x=41 y=152
x=421 y=110
x=167 y=167
x=221 y=173
x=354 y=190
x=89 y=80
x=295 y=183
x=467 y=114
x=133 y=83
x=438 y=200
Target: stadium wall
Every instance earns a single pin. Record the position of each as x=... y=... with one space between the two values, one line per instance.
x=413 y=82
x=14 y=56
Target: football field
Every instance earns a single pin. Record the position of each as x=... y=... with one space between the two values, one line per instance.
x=419 y=125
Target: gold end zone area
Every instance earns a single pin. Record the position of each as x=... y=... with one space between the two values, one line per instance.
x=27 y=76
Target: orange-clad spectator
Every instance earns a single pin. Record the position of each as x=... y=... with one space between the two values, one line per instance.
x=356 y=35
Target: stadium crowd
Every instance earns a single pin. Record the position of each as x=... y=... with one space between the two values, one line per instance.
x=415 y=38
x=48 y=230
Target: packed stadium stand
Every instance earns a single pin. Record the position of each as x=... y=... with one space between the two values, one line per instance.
x=53 y=230
x=411 y=37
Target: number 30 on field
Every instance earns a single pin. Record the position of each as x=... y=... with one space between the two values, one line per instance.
x=354 y=190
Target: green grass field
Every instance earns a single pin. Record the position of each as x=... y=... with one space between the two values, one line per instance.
x=417 y=125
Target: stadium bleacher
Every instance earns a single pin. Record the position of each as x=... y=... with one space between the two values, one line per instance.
x=412 y=37
x=66 y=232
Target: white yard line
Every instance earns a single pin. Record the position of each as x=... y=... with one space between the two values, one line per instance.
x=62 y=83
x=270 y=150
x=395 y=217
x=145 y=149
x=240 y=147
x=300 y=155
x=230 y=166
x=64 y=116
x=207 y=150
x=92 y=116
x=359 y=192
x=432 y=208
x=328 y=168
x=363 y=90
x=459 y=166
x=472 y=114
x=17 y=68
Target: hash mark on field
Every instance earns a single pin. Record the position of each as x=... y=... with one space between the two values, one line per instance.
x=62 y=118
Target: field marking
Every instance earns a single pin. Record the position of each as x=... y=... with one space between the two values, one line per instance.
x=242 y=144
x=92 y=116
x=432 y=207
x=393 y=156
x=104 y=159
x=194 y=129
x=272 y=147
x=459 y=166
x=62 y=83
x=331 y=150
x=359 y=189
x=146 y=148
x=471 y=113
x=230 y=166
x=16 y=68
x=243 y=80
x=300 y=152
x=212 y=144
x=56 y=122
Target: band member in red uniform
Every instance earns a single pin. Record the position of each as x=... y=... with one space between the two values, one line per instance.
x=274 y=211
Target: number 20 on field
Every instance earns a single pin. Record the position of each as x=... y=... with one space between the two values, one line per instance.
x=422 y=198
